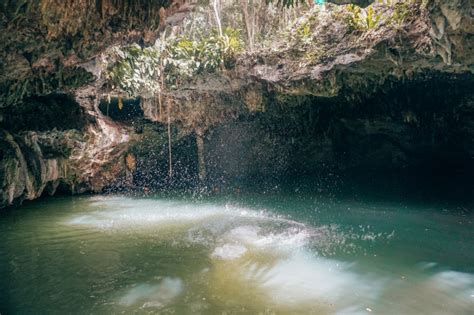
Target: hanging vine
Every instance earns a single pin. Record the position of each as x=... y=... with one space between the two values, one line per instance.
x=170 y=153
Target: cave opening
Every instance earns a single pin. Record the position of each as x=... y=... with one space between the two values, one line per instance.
x=413 y=133
x=237 y=157
x=44 y=113
x=407 y=136
x=121 y=109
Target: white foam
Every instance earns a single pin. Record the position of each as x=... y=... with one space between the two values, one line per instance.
x=303 y=278
x=292 y=276
x=153 y=295
x=291 y=237
x=239 y=240
x=246 y=234
x=459 y=285
x=118 y=212
x=229 y=251
x=296 y=276
x=444 y=292
x=427 y=265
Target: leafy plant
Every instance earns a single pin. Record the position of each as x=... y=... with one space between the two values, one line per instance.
x=357 y=18
x=353 y=17
x=371 y=18
x=303 y=33
x=400 y=12
x=186 y=57
x=286 y=3
x=138 y=71
x=401 y=9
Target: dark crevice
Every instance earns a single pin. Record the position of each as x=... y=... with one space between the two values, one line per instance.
x=125 y=110
x=422 y=126
x=44 y=113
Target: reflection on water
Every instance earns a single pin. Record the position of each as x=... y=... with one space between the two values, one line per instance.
x=284 y=256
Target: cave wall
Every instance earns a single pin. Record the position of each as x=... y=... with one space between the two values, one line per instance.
x=423 y=126
x=45 y=113
x=34 y=163
x=52 y=132
x=55 y=142
x=45 y=44
x=386 y=99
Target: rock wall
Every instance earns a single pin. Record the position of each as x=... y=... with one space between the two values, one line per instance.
x=34 y=162
x=387 y=98
x=45 y=43
x=421 y=126
x=52 y=133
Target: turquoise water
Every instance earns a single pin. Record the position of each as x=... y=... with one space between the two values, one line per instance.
x=274 y=253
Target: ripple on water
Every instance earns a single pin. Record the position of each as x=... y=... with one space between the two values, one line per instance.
x=153 y=295
x=270 y=261
x=125 y=213
x=277 y=267
x=229 y=251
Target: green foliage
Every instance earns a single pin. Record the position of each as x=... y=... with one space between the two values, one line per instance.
x=303 y=33
x=371 y=18
x=300 y=33
x=353 y=18
x=402 y=10
x=138 y=71
x=358 y=19
x=286 y=3
x=394 y=12
x=400 y=13
x=231 y=43
x=186 y=57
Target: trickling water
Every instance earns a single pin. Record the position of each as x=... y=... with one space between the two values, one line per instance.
x=282 y=254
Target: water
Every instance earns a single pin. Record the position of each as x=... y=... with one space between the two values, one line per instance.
x=278 y=253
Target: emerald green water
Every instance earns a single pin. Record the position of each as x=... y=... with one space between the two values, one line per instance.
x=276 y=253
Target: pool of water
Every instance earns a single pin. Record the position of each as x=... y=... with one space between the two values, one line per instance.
x=275 y=253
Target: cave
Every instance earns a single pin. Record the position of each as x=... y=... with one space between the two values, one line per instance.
x=237 y=157
x=414 y=133
x=128 y=110
x=421 y=125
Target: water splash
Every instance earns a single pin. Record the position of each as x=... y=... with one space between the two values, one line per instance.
x=125 y=213
x=153 y=295
x=267 y=261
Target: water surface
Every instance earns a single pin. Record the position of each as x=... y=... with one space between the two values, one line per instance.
x=276 y=253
